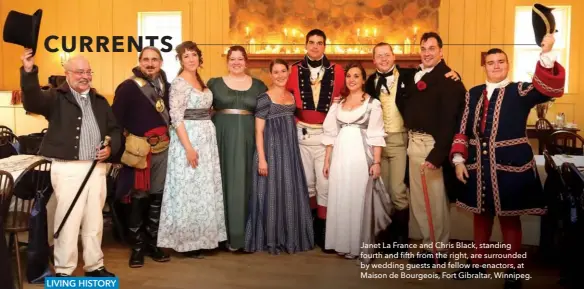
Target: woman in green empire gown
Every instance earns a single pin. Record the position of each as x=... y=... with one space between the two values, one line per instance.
x=234 y=101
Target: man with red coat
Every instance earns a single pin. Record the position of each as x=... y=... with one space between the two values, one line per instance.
x=315 y=82
x=493 y=156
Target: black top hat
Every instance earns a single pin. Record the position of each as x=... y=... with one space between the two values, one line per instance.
x=543 y=22
x=23 y=29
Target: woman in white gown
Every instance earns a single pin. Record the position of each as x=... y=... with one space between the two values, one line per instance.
x=192 y=216
x=358 y=206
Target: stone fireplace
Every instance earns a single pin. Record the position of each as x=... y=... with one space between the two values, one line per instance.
x=270 y=29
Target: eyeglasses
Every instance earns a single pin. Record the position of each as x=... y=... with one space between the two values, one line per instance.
x=81 y=72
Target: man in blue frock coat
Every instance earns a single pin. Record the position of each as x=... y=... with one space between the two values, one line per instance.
x=493 y=156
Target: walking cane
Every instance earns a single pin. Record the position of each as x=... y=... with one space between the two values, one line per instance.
x=429 y=214
x=105 y=143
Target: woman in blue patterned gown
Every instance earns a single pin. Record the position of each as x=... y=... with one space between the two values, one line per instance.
x=193 y=215
x=279 y=210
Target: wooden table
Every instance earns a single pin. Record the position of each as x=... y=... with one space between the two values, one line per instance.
x=533 y=133
x=542 y=135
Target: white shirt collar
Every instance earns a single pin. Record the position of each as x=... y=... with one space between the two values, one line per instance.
x=491 y=86
x=82 y=94
x=392 y=68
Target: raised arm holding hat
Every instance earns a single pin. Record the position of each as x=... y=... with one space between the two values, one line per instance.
x=23 y=29
x=493 y=156
x=79 y=120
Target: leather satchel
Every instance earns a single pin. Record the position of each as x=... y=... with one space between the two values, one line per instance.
x=136 y=153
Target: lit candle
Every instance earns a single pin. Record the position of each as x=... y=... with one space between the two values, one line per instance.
x=246 y=30
x=285 y=32
x=397 y=49
x=64 y=57
x=407 y=47
x=252 y=46
x=294 y=32
x=415 y=31
x=366 y=32
x=358 y=32
x=374 y=32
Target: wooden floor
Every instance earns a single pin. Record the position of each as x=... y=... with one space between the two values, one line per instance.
x=305 y=270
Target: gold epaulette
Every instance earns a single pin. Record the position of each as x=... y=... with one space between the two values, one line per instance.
x=140 y=81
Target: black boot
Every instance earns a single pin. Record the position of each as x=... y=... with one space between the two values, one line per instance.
x=136 y=236
x=512 y=280
x=320 y=234
x=152 y=224
x=398 y=232
x=101 y=272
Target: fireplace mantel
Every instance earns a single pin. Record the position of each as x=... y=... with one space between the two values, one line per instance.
x=263 y=60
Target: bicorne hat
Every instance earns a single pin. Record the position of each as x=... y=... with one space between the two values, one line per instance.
x=543 y=22
x=23 y=29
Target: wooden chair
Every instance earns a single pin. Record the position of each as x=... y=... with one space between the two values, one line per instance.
x=572 y=231
x=543 y=129
x=4 y=128
x=550 y=224
x=8 y=136
x=6 y=190
x=565 y=142
x=35 y=179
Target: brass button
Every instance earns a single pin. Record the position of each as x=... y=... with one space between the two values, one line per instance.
x=484 y=144
x=77 y=128
x=484 y=152
x=483 y=210
x=483 y=195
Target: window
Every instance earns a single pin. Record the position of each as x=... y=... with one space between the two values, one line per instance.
x=526 y=56
x=166 y=23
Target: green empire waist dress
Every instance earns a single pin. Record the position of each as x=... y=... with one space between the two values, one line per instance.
x=236 y=142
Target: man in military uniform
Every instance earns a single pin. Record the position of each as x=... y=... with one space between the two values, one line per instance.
x=315 y=82
x=141 y=107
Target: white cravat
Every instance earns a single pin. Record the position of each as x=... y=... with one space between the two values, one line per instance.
x=421 y=73
x=491 y=86
x=315 y=72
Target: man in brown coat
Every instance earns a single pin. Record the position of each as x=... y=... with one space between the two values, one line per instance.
x=432 y=105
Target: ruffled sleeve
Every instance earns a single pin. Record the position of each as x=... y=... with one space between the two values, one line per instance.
x=263 y=106
x=375 y=128
x=178 y=98
x=330 y=126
